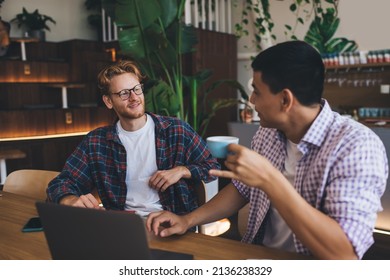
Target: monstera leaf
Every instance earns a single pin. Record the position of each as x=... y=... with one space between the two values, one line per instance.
x=160 y=98
x=321 y=32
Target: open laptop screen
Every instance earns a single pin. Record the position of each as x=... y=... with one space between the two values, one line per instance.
x=74 y=233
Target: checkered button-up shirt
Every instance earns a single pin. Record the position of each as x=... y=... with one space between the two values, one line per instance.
x=342 y=173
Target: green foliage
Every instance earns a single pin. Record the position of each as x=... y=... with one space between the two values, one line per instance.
x=322 y=29
x=262 y=21
x=152 y=32
x=160 y=98
x=33 y=21
x=200 y=116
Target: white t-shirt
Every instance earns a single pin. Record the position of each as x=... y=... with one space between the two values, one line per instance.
x=277 y=233
x=141 y=165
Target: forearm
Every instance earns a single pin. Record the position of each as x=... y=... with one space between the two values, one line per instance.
x=199 y=169
x=224 y=204
x=321 y=234
x=183 y=171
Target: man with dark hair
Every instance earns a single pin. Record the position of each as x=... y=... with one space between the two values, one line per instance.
x=142 y=163
x=313 y=178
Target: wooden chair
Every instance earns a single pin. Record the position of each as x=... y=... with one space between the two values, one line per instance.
x=29 y=182
x=201 y=193
x=219 y=226
x=6 y=155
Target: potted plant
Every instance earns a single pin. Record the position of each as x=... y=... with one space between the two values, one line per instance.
x=153 y=33
x=34 y=23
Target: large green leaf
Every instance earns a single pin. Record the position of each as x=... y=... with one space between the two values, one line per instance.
x=130 y=42
x=169 y=11
x=339 y=45
x=328 y=24
x=137 y=12
x=188 y=37
x=321 y=32
x=160 y=98
x=151 y=42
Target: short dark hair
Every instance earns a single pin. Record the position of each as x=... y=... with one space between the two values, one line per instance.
x=295 y=65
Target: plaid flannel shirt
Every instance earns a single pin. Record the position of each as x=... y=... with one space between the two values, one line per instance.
x=99 y=162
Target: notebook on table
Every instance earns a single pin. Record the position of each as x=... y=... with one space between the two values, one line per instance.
x=74 y=233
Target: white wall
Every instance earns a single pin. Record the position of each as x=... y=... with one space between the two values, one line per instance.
x=70 y=15
x=364 y=21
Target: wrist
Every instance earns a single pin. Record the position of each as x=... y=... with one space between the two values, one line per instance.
x=68 y=199
x=185 y=173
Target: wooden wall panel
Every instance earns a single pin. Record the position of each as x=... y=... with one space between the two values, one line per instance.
x=33 y=71
x=78 y=53
x=24 y=123
x=49 y=154
x=218 y=52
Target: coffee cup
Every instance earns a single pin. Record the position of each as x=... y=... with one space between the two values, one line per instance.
x=218 y=145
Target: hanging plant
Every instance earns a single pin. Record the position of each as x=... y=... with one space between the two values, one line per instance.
x=324 y=24
x=256 y=13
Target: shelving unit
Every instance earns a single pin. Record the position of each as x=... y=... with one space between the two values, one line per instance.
x=35 y=111
x=32 y=96
x=349 y=87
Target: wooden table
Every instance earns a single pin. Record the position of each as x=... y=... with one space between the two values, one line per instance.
x=15 y=210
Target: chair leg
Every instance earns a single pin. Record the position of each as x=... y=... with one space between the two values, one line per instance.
x=3 y=171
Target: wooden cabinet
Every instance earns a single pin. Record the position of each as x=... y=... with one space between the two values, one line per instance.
x=218 y=52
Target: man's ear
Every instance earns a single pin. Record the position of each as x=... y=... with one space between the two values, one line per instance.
x=287 y=99
x=108 y=101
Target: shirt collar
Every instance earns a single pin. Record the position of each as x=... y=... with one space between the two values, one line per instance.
x=317 y=132
x=159 y=121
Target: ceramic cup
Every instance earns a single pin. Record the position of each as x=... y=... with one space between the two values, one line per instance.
x=218 y=145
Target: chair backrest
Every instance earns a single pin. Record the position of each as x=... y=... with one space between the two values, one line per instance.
x=201 y=196
x=201 y=193
x=29 y=182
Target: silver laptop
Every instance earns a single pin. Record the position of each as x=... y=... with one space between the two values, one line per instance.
x=74 y=233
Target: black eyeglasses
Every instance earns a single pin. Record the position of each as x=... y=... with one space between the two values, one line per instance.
x=124 y=94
